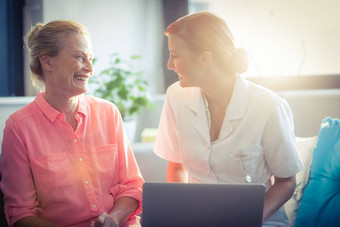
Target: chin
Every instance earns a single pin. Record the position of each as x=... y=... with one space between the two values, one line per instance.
x=83 y=89
x=182 y=84
x=185 y=83
x=80 y=92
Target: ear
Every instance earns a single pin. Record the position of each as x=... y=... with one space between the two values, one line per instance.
x=46 y=62
x=206 y=58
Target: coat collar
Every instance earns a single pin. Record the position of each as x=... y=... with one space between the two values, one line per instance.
x=238 y=103
x=235 y=110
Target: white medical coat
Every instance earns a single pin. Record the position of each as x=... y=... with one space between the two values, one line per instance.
x=257 y=129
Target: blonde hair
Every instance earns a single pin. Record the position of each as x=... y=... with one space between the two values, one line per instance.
x=48 y=39
x=205 y=31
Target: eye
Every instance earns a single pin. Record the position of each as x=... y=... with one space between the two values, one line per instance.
x=79 y=58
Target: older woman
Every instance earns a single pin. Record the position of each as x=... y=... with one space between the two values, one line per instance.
x=65 y=159
x=217 y=127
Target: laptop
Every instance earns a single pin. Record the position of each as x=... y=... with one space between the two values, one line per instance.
x=186 y=205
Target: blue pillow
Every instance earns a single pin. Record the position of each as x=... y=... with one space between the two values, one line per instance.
x=320 y=204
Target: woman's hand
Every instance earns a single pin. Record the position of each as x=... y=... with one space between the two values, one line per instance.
x=122 y=209
x=105 y=220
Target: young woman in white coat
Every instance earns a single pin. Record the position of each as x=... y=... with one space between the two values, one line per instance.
x=217 y=127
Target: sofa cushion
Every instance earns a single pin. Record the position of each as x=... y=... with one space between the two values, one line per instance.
x=320 y=204
x=152 y=167
x=305 y=146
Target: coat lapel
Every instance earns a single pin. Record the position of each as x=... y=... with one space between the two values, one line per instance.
x=237 y=106
x=197 y=113
x=235 y=111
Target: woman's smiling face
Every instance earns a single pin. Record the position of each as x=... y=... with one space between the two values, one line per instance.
x=71 y=68
x=184 y=62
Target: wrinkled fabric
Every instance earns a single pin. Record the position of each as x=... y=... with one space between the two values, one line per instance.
x=67 y=177
x=257 y=134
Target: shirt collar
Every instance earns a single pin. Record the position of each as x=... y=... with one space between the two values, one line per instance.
x=46 y=108
x=83 y=105
x=52 y=113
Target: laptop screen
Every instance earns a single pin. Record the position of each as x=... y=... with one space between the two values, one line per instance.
x=179 y=204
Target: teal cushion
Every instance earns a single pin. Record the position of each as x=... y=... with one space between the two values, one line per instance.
x=320 y=204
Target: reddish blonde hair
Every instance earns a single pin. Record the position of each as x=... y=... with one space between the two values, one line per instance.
x=206 y=31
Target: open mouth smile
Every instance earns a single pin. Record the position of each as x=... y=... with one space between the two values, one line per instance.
x=82 y=78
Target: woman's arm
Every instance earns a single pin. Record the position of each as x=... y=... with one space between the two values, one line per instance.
x=176 y=173
x=123 y=208
x=277 y=195
x=34 y=221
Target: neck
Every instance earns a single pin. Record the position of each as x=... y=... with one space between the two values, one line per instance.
x=219 y=91
x=65 y=105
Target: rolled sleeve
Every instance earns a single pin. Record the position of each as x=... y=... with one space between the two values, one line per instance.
x=19 y=194
x=132 y=191
x=130 y=179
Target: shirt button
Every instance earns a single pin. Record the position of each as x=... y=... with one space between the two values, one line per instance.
x=81 y=159
x=77 y=115
x=87 y=182
x=94 y=206
x=75 y=140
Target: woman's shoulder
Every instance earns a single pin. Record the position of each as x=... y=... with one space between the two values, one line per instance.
x=175 y=90
x=264 y=100
x=96 y=103
x=92 y=100
x=24 y=113
x=263 y=94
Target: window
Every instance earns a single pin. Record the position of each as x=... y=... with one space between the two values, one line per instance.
x=11 y=60
x=291 y=44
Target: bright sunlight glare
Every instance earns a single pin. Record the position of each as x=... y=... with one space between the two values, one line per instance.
x=275 y=49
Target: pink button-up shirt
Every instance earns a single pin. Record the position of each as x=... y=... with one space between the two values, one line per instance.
x=67 y=177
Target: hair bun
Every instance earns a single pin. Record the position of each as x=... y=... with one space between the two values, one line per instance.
x=241 y=60
x=32 y=34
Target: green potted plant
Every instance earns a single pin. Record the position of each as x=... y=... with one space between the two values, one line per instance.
x=123 y=86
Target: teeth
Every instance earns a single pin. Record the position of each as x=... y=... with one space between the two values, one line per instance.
x=81 y=78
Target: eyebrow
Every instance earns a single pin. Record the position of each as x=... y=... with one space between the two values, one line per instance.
x=83 y=53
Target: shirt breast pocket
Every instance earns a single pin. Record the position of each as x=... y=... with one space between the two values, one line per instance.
x=105 y=160
x=249 y=158
x=53 y=171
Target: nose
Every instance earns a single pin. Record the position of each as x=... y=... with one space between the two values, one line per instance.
x=88 y=66
x=170 y=64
